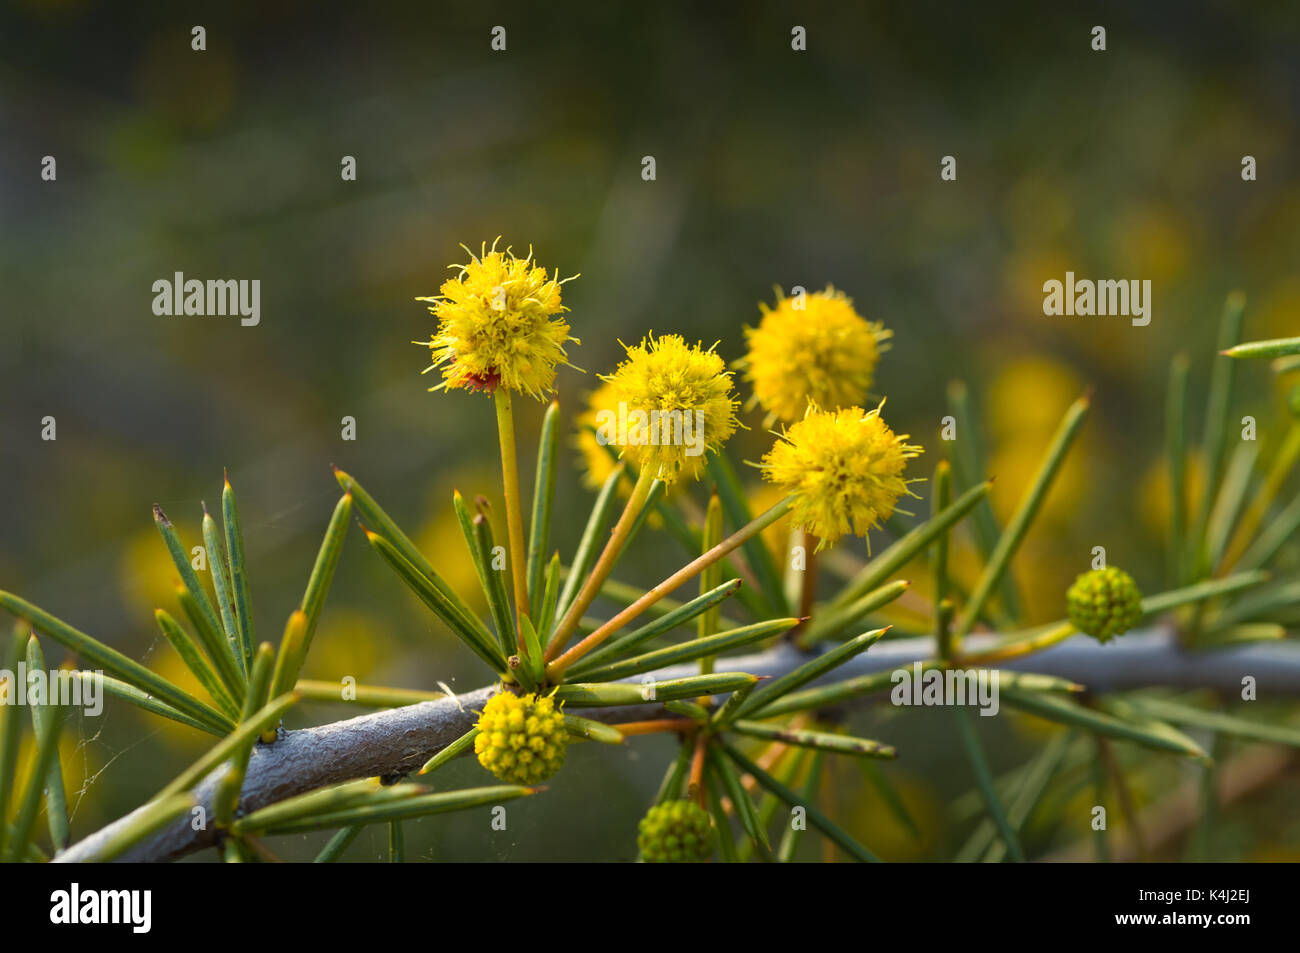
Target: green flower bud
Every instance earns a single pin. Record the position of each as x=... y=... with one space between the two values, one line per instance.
x=679 y=832
x=1104 y=603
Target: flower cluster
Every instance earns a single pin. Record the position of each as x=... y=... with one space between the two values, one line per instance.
x=521 y=739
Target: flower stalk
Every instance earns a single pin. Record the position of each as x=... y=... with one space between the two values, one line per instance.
x=604 y=564
x=514 y=509
x=555 y=670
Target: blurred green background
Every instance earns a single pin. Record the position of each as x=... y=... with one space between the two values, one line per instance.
x=773 y=168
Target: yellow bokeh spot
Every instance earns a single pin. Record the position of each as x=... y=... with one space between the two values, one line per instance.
x=146 y=574
x=348 y=642
x=1028 y=396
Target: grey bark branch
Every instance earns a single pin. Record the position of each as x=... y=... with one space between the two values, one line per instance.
x=397 y=741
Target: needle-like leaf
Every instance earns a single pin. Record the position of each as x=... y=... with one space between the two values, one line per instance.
x=539 y=533
x=1178 y=713
x=339 y=843
x=808 y=671
x=288 y=661
x=478 y=539
x=598 y=695
x=114 y=662
x=382 y=810
x=689 y=651
x=550 y=599
x=322 y=572
x=214 y=722
x=968 y=464
x=202 y=605
x=713 y=794
x=984 y=841
x=821 y=740
x=396 y=843
x=326 y=801
x=1277 y=347
x=365 y=696
x=194 y=660
x=1217 y=412
x=56 y=800
x=619 y=645
x=238 y=572
x=259 y=681
x=708 y=621
x=456 y=748
x=670 y=788
x=10 y=726
x=593 y=730
x=222 y=587
x=1176 y=452
x=791 y=836
x=468 y=628
x=1231 y=499
x=215 y=644
x=984 y=779
x=742 y=804
x=400 y=544
x=815 y=817
x=1028 y=508
x=1146 y=732
x=833 y=622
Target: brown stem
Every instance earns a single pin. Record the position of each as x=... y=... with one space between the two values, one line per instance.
x=654 y=726
x=604 y=565
x=555 y=670
x=695 y=786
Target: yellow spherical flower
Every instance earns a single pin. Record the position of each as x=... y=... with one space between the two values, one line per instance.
x=497 y=325
x=811 y=349
x=521 y=738
x=669 y=402
x=844 y=468
x=596 y=456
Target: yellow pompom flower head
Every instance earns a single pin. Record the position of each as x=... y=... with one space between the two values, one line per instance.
x=498 y=325
x=521 y=738
x=598 y=458
x=811 y=349
x=843 y=468
x=669 y=403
